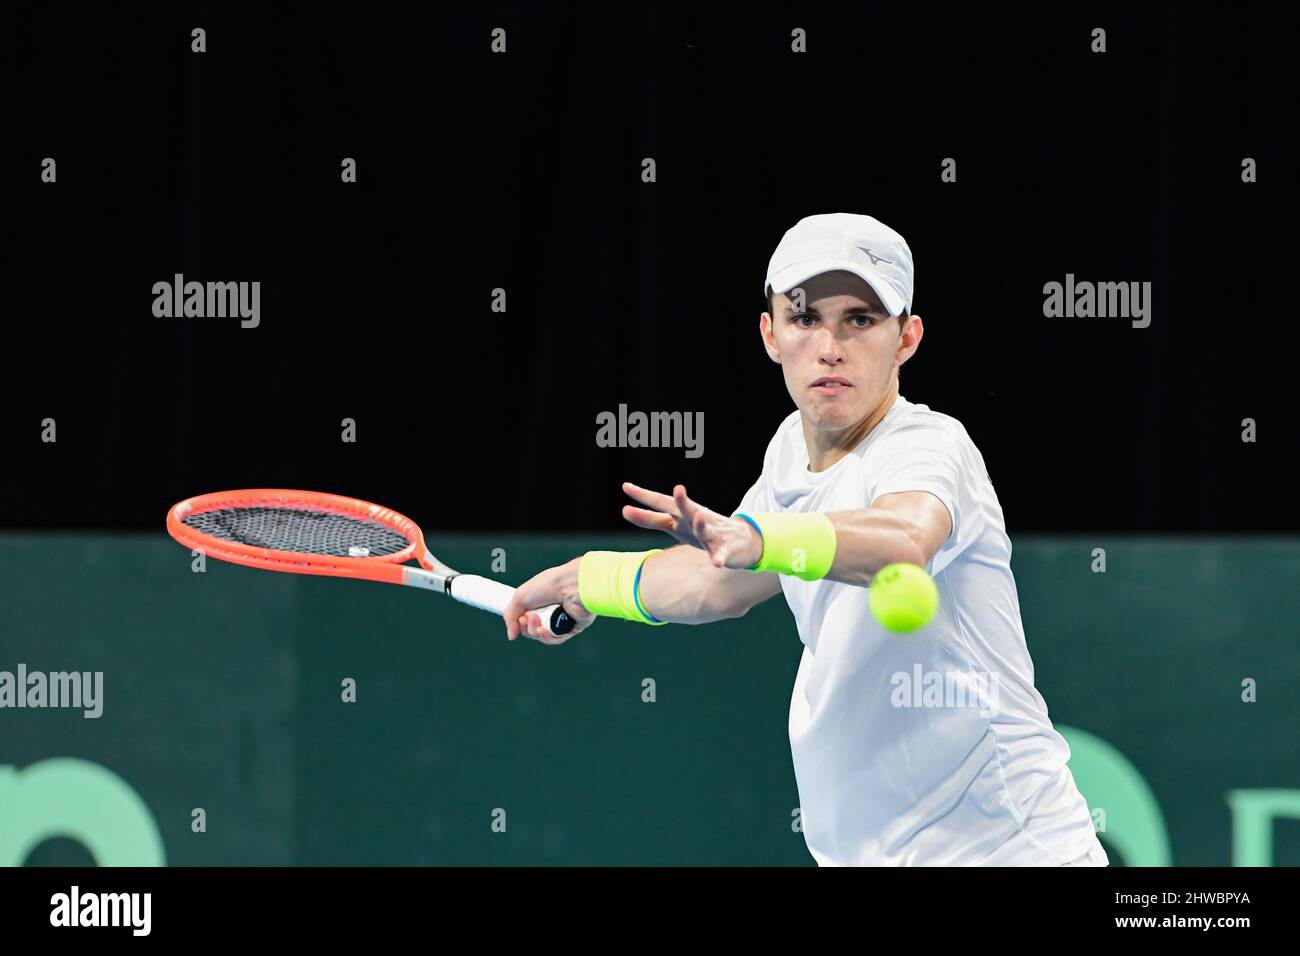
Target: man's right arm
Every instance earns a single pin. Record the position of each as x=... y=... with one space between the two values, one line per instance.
x=681 y=585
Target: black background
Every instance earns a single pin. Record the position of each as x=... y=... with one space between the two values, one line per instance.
x=333 y=905
x=522 y=171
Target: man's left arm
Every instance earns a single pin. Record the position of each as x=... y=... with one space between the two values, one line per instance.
x=900 y=526
x=906 y=526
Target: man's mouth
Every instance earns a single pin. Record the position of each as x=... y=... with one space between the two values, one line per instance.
x=830 y=383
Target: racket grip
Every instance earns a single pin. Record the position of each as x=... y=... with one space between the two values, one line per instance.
x=489 y=595
x=558 y=619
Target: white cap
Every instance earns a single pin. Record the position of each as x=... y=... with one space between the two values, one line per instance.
x=833 y=241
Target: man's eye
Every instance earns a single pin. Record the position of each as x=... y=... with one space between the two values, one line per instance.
x=861 y=321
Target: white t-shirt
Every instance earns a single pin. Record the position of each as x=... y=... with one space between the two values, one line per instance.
x=932 y=748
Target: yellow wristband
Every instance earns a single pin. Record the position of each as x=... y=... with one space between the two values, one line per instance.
x=799 y=544
x=607 y=584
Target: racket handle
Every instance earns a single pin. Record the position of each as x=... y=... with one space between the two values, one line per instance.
x=559 y=621
x=489 y=595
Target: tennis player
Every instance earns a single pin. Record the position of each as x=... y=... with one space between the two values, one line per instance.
x=932 y=748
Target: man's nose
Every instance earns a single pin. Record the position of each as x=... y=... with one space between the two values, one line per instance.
x=830 y=347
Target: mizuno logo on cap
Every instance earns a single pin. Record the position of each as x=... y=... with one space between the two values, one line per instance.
x=875 y=259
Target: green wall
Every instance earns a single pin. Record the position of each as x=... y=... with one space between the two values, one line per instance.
x=222 y=691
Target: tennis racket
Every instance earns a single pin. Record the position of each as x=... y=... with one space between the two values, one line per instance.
x=307 y=532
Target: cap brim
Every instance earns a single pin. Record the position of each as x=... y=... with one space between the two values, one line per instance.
x=789 y=277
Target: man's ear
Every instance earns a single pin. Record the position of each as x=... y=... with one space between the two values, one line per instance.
x=917 y=325
x=769 y=339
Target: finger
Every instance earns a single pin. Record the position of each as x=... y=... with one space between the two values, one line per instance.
x=514 y=612
x=709 y=532
x=511 y=616
x=543 y=632
x=537 y=591
x=717 y=554
x=555 y=640
x=653 y=499
x=708 y=527
x=545 y=636
x=649 y=519
x=687 y=508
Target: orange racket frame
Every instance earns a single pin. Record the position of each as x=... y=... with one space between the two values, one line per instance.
x=480 y=592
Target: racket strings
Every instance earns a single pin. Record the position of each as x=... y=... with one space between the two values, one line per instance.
x=303 y=531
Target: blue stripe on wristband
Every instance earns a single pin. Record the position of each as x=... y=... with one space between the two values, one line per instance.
x=741 y=514
x=636 y=595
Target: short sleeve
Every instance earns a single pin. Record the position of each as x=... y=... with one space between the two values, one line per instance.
x=756 y=498
x=931 y=459
x=759 y=496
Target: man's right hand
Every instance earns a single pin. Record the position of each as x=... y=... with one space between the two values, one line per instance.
x=558 y=585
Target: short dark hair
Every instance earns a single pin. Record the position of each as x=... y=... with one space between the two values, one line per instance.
x=902 y=316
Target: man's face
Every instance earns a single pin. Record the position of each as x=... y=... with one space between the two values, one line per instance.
x=838 y=348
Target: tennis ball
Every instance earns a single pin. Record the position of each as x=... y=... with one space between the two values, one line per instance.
x=903 y=597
